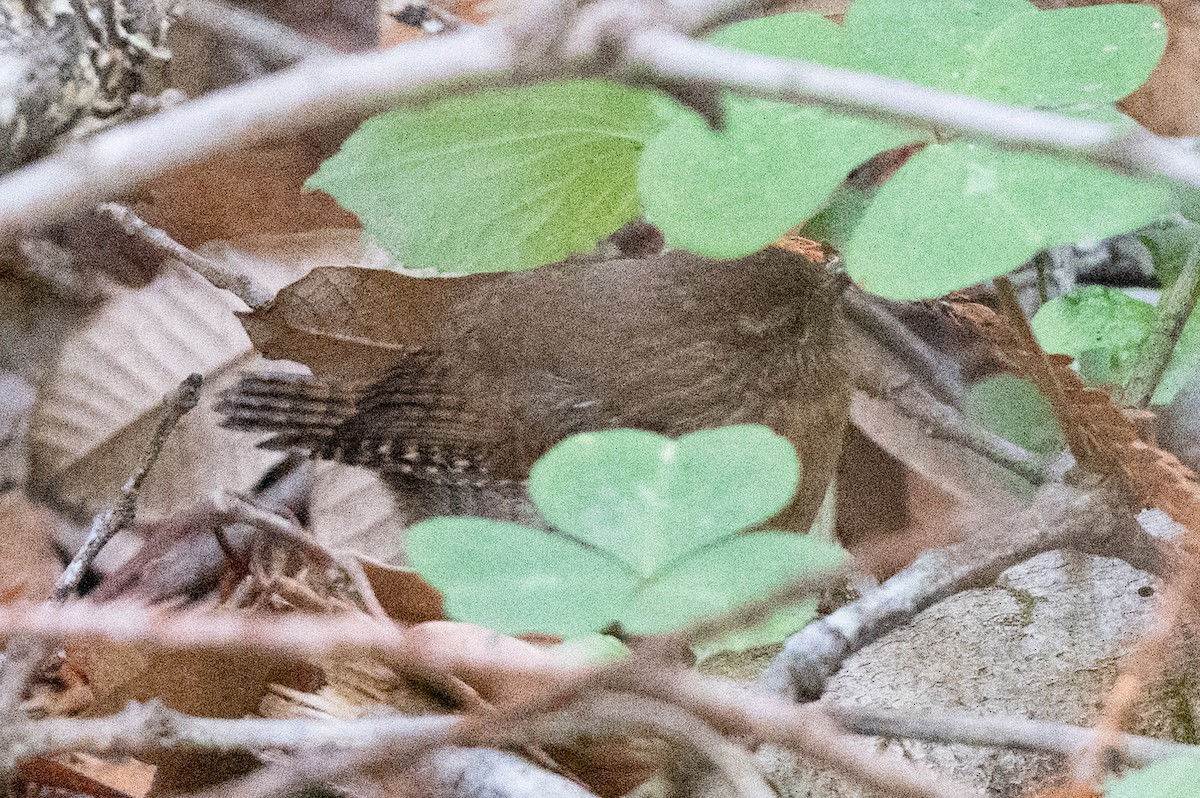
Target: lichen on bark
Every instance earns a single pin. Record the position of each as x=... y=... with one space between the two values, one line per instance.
x=64 y=62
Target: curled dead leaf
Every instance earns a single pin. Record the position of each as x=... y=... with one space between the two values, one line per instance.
x=354 y=324
x=98 y=406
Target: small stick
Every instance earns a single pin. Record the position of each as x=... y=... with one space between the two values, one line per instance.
x=217 y=275
x=1174 y=309
x=108 y=523
x=997 y=731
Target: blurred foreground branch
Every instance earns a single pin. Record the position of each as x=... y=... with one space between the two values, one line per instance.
x=620 y=40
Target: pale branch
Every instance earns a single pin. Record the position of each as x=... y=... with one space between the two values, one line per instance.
x=1173 y=310
x=273 y=42
x=943 y=422
x=1001 y=731
x=614 y=40
x=805 y=729
x=129 y=622
x=940 y=375
x=121 y=515
x=216 y=274
x=1061 y=517
x=141 y=728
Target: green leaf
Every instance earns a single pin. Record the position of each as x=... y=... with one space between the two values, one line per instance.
x=1096 y=55
x=960 y=213
x=728 y=194
x=1178 y=777
x=612 y=492
x=496 y=181
x=728 y=573
x=515 y=579
x=936 y=43
x=1090 y=319
x=1104 y=329
x=1015 y=409
x=1171 y=244
x=646 y=499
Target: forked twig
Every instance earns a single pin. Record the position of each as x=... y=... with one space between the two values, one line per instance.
x=108 y=523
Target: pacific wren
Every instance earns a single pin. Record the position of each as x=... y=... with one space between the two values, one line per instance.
x=671 y=343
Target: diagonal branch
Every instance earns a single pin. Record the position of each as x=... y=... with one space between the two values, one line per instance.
x=1060 y=517
x=324 y=90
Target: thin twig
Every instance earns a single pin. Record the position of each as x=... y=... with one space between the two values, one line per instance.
x=293 y=634
x=807 y=730
x=24 y=656
x=272 y=42
x=1174 y=309
x=240 y=285
x=939 y=374
x=961 y=728
x=324 y=90
x=121 y=515
x=140 y=728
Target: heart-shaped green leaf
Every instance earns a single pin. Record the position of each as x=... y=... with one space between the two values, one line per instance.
x=647 y=499
x=516 y=579
x=729 y=193
x=725 y=574
x=960 y=213
x=613 y=494
x=1104 y=329
x=496 y=181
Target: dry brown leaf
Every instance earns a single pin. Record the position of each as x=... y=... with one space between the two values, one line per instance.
x=120 y=772
x=354 y=510
x=98 y=407
x=1169 y=102
x=29 y=565
x=54 y=776
x=402 y=593
x=354 y=324
x=249 y=192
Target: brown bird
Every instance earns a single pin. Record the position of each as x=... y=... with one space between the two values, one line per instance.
x=671 y=343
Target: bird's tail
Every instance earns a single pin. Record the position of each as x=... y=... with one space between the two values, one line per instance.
x=301 y=411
